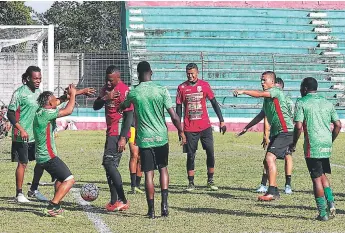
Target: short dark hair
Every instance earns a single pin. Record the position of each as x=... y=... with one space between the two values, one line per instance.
x=310 y=84
x=143 y=67
x=112 y=69
x=280 y=82
x=43 y=98
x=271 y=73
x=191 y=66
x=28 y=73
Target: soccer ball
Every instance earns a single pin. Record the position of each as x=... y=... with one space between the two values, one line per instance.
x=89 y=192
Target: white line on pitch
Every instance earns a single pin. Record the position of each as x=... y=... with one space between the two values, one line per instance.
x=93 y=217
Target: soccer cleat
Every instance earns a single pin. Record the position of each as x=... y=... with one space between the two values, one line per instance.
x=331 y=209
x=211 y=186
x=21 y=198
x=118 y=206
x=36 y=194
x=269 y=197
x=190 y=187
x=262 y=189
x=151 y=214
x=322 y=218
x=164 y=210
x=54 y=212
x=288 y=189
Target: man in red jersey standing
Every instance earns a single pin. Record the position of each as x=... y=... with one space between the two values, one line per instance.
x=192 y=95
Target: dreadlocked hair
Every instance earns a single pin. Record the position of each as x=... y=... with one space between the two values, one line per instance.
x=43 y=98
x=28 y=73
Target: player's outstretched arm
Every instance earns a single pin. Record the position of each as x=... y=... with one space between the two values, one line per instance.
x=177 y=123
x=336 y=129
x=70 y=106
x=252 y=93
x=217 y=110
x=89 y=91
x=256 y=120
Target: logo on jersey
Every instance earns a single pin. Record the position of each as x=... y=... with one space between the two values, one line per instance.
x=199 y=88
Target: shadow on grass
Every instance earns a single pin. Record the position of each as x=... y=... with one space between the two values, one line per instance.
x=236 y=213
x=21 y=209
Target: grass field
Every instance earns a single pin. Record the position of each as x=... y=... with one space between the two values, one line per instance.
x=234 y=208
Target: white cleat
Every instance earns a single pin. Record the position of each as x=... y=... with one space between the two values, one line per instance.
x=262 y=189
x=21 y=198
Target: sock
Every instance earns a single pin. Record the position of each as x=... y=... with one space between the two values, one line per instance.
x=329 y=194
x=288 y=180
x=19 y=191
x=38 y=172
x=164 y=196
x=264 y=179
x=321 y=205
x=209 y=177
x=191 y=179
x=272 y=190
x=138 y=180
x=133 y=179
x=150 y=204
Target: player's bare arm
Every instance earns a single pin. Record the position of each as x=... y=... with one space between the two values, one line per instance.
x=177 y=123
x=252 y=93
x=256 y=120
x=296 y=134
x=11 y=115
x=70 y=106
x=336 y=129
x=266 y=136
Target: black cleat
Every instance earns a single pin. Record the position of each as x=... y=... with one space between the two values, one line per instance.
x=164 y=210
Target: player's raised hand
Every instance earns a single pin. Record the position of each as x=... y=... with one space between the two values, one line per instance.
x=242 y=132
x=222 y=128
x=236 y=93
x=89 y=91
x=110 y=95
x=71 y=90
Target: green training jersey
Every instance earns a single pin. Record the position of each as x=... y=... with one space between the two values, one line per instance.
x=150 y=100
x=24 y=103
x=316 y=113
x=277 y=111
x=44 y=125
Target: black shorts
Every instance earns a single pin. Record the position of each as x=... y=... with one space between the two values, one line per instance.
x=318 y=167
x=110 y=150
x=205 y=136
x=57 y=169
x=23 y=152
x=154 y=158
x=279 y=145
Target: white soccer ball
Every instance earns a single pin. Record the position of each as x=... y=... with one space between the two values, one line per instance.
x=89 y=192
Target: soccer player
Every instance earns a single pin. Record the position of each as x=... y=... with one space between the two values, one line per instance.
x=21 y=113
x=314 y=115
x=288 y=158
x=46 y=154
x=111 y=96
x=276 y=109
x=192 y=94
x=134 y=163
x=150 y=100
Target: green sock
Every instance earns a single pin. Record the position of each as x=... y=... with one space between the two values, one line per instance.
x=321 y=205
x=329 y=194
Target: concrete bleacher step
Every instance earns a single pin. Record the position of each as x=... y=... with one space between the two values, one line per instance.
x=330 y=53
x=322 y=30
x=319 y=22
x=328 y=45
x=317 y=15
x=336 y=79
x=335 y=70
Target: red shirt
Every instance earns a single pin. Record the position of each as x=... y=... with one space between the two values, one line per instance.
x=193 y=98
x=111 y=115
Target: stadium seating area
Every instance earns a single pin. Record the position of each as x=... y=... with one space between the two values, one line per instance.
x=233 y=46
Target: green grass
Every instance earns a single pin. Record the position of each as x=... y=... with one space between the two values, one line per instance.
x=234 y=208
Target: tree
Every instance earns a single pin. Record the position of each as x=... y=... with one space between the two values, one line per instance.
x=87 y=26
x=15 y=13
